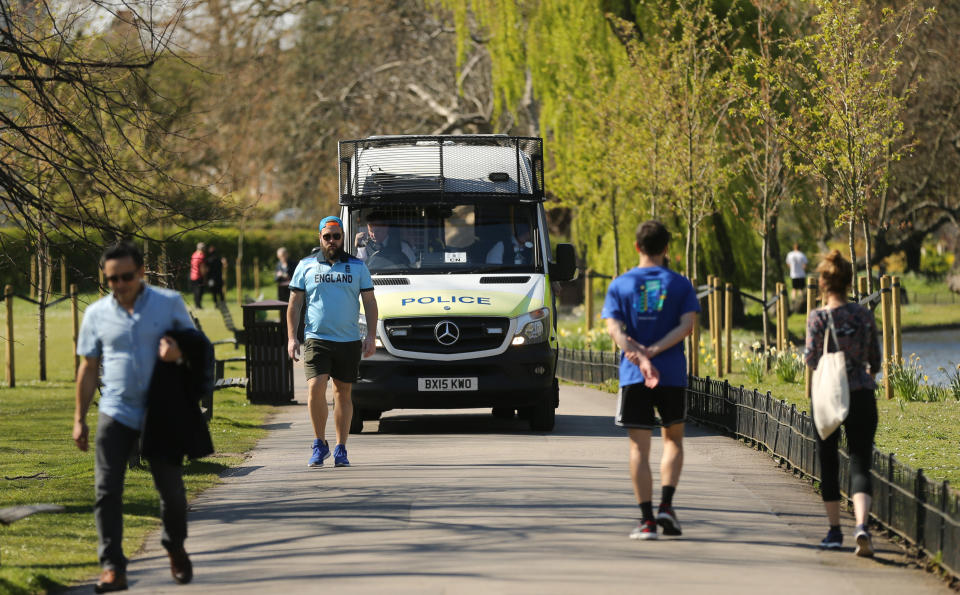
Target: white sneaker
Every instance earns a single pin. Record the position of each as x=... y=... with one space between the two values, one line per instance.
x=864 y=543
x=645 y=530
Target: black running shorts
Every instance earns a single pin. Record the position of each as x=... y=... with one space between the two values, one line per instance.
x=636 y=402
x=799 y=282
x=339 y=359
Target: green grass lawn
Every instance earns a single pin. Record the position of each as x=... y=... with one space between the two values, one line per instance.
x=40 y=463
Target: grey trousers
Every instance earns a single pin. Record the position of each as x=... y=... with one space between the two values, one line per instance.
x=114 y=443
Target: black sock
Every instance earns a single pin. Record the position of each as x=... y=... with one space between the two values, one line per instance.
x=834 y=527
x=667 y=498
x=646 y=511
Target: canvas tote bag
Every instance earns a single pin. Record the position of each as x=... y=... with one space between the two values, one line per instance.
x=830 y=392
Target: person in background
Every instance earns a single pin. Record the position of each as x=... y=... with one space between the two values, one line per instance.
x=856 y=337
x=283 y=273
x=196 y=275
x=331 y=283
x=519 y=252
x=214 y=267
x=797 y=262
x=648 y=312
x=125 y=333
x=379 y=241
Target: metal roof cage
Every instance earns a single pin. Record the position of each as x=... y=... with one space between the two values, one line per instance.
x=438 y=168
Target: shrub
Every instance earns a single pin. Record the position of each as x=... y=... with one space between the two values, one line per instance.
x=788 y=365
x=953 y=380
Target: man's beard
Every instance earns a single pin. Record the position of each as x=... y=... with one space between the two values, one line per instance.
x=332 y=252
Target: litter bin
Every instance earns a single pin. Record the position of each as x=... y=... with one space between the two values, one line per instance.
x=269 y=369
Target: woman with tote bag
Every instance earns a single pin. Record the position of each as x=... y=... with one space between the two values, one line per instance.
x=853 y=331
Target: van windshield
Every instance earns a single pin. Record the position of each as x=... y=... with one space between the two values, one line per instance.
x=467 y=238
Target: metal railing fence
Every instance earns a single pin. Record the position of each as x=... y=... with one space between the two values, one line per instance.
x=923 y=512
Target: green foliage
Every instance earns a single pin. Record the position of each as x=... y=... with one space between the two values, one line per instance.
x=953 y=380
x=935 y=265
x=753 y=360
x=788 y=365
x=910 y=383
x=595 y=339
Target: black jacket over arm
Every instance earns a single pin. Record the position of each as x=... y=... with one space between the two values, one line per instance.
x=174 y=425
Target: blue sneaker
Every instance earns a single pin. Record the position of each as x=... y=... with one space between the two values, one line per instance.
x=321 y=450
x=340 y=456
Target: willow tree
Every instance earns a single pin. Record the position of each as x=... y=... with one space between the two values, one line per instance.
x=842 y=77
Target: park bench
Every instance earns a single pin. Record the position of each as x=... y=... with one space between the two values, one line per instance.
x=218 y=372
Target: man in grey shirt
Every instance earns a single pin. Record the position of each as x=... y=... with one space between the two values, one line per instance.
x=125 y=333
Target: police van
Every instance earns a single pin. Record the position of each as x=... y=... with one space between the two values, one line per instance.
x=454 y=233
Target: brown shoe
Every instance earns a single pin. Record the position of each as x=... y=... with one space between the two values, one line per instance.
x=180 y=566
x=111 y=580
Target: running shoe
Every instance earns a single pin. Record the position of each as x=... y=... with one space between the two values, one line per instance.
x=645 y=530
x=667 y=519
x=864 y=542
x=340 y=456
x=321 y=450
x=833 y=540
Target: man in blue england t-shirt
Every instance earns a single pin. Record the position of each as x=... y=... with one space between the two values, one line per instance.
x=331 y=281
x=649 y=310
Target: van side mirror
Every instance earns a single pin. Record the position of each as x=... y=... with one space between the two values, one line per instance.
x=565 y=267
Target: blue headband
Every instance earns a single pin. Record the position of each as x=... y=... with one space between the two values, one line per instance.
x=332 y=219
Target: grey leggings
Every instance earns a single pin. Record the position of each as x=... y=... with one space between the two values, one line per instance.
x=860 y=427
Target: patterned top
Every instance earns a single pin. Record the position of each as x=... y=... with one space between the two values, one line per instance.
x=857 y=332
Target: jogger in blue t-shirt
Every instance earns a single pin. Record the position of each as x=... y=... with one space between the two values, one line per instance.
x=648 y=311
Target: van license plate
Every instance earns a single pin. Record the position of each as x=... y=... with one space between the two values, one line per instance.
x=446 y=384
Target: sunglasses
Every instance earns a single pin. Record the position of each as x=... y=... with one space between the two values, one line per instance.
x=127 y=277
x=331 y=236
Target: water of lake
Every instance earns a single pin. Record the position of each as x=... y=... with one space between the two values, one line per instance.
x=935 y=349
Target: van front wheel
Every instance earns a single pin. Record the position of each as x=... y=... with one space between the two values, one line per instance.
x=543 y=415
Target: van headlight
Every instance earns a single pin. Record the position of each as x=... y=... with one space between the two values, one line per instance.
x=532 y=327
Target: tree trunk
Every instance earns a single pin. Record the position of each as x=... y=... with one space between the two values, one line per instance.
x=616 y=233
x=866 y=254
x=776 y=258
x=853 y=256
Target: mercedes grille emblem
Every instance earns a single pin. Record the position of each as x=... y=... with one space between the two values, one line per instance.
x=446 y=332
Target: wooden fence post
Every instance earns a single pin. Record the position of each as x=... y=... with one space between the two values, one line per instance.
x=861 y=287
x=728 y=325
x=897 y=334
x=76 y=326
x=588 y=299
x=256 y=276
x=8 y=297
x=887 y=336
x=718 y=307
x=811 y=306
x=102 y=281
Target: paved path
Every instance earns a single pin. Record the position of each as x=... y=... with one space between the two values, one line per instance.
x=459 y=502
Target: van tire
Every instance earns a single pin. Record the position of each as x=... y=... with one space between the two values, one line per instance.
x=543 y=416
x=356 y=421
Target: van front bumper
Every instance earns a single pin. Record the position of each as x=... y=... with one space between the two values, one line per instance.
x=519 y=377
